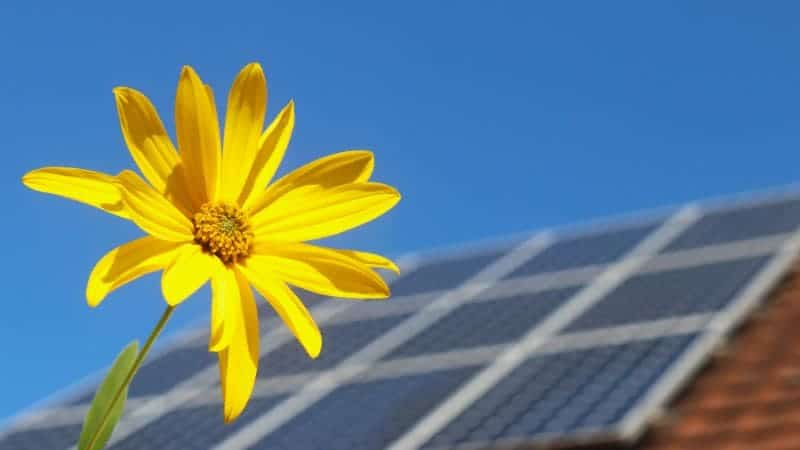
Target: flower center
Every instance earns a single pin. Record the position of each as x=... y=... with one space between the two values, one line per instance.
x=224 y=231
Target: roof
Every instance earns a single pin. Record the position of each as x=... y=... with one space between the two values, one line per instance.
x=562 y=337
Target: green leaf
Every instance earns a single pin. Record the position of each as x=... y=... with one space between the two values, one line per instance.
x=101 y=418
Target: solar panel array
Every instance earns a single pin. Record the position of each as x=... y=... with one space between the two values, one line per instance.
x=561 y=337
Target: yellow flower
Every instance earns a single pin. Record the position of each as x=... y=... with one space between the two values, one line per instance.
x=211 y=214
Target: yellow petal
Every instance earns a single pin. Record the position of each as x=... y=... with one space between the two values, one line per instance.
x=86 y=186
x=285 y=303
x=224 y=309
x=244 y=121
x=314 y=214
x=371 y=260
x=151 y=211
x=126 y=263
x=271 y=148
x=238 y=363
x=352 y=166
x=151 y=147
x=190 y=270
x=318 y=269
x=197 y=128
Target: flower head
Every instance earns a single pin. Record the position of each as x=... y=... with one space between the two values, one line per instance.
x=210 y=213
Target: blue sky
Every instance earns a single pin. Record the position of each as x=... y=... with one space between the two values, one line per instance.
x=491 y=118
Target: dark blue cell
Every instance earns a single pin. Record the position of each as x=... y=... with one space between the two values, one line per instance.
x=339 y=341
x=753 y=221
x=585 y=250
x=192 y=427
x=51 y=438
x=366 y=416
x=168 y=369
x=563 y=395
x=445 y=274
x=672 y=293
x=485 y=323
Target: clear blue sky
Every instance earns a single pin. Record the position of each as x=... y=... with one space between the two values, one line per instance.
x=490 y=117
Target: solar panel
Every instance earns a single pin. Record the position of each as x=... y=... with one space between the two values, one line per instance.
x=347 y=419
x=557 y=338
x=585 y=250
x=739 y=223
x=192 y=427
x=502 y=320
x=445 y=274
x=563 y=395
x=57 y=437
x=340 y=341
x=671 y=293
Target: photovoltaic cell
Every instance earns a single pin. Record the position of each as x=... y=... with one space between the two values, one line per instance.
x=581 y=251
x=53 y=438
x=339 y=342
x=672 y=293
x=365 y=416
x=485 y=323
x=740 y=223
x=446 y=274
x=564 y=394
x=196 y=427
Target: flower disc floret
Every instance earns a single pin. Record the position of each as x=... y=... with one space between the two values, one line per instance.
x=224 y=231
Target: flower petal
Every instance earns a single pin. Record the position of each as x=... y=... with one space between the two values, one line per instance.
x=224 y=309
x=190 y=270
x=285 y=303
x=151 y=211
x=86 y=186
x=352 y=166
x=151 y=147
x=197 y=128
x=318 y=270
x=238 y=363
x=370 y=259
x=271 y=148
x=126 y=263
x=312 y=214
x=244 y=121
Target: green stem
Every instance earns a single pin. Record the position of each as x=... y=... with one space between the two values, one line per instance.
x=129 y=377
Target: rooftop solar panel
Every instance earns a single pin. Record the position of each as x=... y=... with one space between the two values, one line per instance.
x=501 y=320
x=340 y=340
x=554 y=397
x=347 y=419
x=51 y=438
x=192 y=427
x=587 y=330
x=671 y=293
x=743 y=222
x=445 y=274
x=585 y=250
